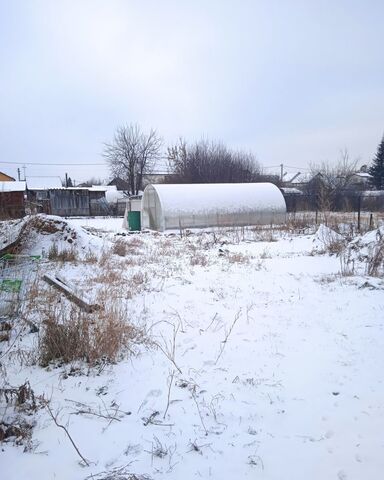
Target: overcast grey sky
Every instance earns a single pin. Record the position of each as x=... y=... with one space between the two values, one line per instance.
x=294 y=81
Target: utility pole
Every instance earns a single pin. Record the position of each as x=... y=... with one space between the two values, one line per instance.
x=281 y=171
x=66 y=180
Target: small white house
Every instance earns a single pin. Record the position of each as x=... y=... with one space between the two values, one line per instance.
x=168 y=206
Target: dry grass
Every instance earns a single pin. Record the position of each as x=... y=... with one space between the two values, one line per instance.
x=263 y=234
x=238 y=258
x=120 y=247
x=90 y=258
x=69 y=334
x=131 y=246
x=347 y=264
x=64 y=255
x=198 y=259
x=335 y=246
x=375 y=262
x=20 y=404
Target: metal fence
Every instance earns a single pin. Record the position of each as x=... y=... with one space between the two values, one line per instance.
x=17 y=273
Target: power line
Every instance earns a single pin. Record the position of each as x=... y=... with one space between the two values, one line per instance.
x=56 y=164
x=63 y=164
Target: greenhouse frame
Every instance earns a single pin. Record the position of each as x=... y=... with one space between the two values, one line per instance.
x=179 y=206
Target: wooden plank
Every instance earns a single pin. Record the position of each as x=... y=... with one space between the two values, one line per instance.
x=68 y=290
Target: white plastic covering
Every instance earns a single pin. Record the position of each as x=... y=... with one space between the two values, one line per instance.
x=211 y=204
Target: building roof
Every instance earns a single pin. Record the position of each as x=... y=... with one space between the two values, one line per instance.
x=373 y=193
x=102 y=188
x=11 y=179
x=7 y=186
x=298 y=179
x=291 y=191
x=362 y=175
x=43 y=183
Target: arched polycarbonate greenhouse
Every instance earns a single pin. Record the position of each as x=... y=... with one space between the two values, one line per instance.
x=202 y=205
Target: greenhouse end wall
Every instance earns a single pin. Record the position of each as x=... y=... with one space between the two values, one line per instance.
x=178 y=206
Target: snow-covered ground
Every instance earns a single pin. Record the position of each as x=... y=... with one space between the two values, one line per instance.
x=263 y=361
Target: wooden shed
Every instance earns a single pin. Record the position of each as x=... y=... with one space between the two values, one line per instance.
x=12 y=199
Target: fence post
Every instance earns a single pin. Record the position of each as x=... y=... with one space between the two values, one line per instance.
x=358 y=212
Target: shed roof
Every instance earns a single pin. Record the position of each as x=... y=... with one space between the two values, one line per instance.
x=43 y=183
x=6 y=177
x=7 y=186
x=291 y=191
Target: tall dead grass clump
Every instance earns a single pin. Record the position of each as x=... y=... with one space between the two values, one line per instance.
x=375 y=261
x=63 y=255
x=335 y=246
x=299 y=223
x=120 y=248
x=68 y=334
x=198 y=259
x=238 y=257
x=109 y=275
x=90 y=257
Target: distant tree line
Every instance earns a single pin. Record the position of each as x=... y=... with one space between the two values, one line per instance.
x=211 y=162
x=133 y=153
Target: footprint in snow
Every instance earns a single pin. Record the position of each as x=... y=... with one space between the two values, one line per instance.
x=341 y=475
x=154 y=393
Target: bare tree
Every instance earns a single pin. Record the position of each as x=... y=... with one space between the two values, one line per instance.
x=210 y=162
x=132 y=154
x=331 y=183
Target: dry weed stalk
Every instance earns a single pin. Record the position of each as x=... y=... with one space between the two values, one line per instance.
x=198 y=409
x=347 y=264
x=54 y=418
x=170 y=381
x=228 y=333
x=169 y=348
x=114 y=414
x=118 y=473
x=375 y=261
